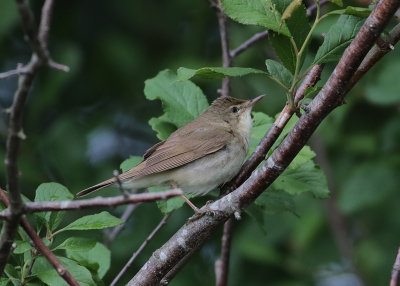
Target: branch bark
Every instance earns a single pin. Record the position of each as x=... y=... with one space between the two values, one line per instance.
x=331 y=96
x=395 y=271
x=40 y=58
x=95 y=202
x=222 y=264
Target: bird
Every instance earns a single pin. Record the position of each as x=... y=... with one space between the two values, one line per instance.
x=199 y=156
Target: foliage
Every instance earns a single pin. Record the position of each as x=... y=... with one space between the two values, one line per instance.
x=81 y=125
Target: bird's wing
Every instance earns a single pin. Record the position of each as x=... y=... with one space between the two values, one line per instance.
x=179 y=150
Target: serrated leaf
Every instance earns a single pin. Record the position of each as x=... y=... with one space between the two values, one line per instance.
x=129 y=163
x=48 y=275
x=255 y=12
x=261 y=123
x=279 y=72
x=361 y=12
x=96 y=221
x=22 y=246
x=77 y=244
x=52 y=192
x=182 y=100
x=216 y=72
x=306 y=178
x=162 y=126
x=98 y=259
x=284 y=50
x=339 y=36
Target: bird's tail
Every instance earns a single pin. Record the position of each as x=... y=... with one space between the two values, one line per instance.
x=96 y=187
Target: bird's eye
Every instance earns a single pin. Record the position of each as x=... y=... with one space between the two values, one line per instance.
x=234 y=109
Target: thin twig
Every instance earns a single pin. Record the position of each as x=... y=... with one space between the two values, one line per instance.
x=313 y=7
x=111 y=235
x=41 y=247
x=222 y=264
x=248 y=43
x=140 y=249
x=97 y=202
x=395 y=271
x=195 y=232
x=226 y=57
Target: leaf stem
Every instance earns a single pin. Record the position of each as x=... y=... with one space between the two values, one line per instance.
x=292 y=89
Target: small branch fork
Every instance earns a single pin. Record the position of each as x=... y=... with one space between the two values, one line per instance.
x=195 y=232
x=395 y=271
x=39 y=59
x=41 y=247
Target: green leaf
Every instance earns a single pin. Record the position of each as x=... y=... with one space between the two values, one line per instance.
x=350 y=10
x=311 y=91
x=182 y=101
x=216 y=72
x=22 y=246
x=45 y=272
x=284 y=50
x=98 y=259
x=296 y=19
x=255 y=12
x=167 y=206
x=5 y=281
x=306 y=178
x=305 y=155
x=129 y=163
x=261 y=123
x=96 y=221
x=339 y=36
x=52 y=192
x=77 y=244
x=273 y=202
x=279 y=72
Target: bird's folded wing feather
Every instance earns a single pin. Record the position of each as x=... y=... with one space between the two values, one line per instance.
x=179 y=150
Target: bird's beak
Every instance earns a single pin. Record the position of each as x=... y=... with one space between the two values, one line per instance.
x=255 y=100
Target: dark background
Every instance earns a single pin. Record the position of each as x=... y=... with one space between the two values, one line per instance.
x=81 y=125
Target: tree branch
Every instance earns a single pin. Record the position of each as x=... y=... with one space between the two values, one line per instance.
x=15 y=132
x=331 y=96
x=95 y=202
x=395 y=271
x=226 y=57
x=245 y=45
x=41 y=247
x=222 y=264
x=140 y=249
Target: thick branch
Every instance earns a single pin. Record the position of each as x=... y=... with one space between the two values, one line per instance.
x=197 y=231
x=95 y=202
x=41 y=247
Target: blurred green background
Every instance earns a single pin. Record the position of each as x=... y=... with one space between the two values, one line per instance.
x=81 y=125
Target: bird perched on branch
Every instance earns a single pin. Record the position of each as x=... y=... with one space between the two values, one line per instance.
x=197 y=157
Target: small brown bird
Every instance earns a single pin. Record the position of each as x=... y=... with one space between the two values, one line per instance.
x=199 y=156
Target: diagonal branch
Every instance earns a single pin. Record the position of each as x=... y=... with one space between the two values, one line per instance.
x=222 y=264
x=395 y=271
x=331 y=96
x=41 y=247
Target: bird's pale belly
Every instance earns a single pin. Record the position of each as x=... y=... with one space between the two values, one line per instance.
x=200 y=176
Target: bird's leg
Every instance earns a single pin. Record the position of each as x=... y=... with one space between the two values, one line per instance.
x=196 y=209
